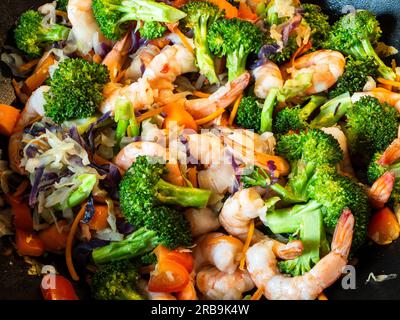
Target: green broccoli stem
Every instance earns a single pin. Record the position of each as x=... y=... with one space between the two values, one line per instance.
x=369 y=51
x=268 y=110
x=136 y=244
x=88 y=182
x=236 y=63
x=311 y=106
x=289 y=220
x=332 y=111
x=126 y=121
x=204 y=58
x=149 y=10
x=120 y=132
x=54 y=33
x=286 y=195
x=128 y=294
x=186 y=197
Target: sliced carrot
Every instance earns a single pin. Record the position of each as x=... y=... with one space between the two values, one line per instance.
x=246 y=13
x=39 y=76
x=258 y=294
x=28 y=243
x=169 y=276
x=22 y=217
x=53 y=239
x=383 y=227
x=188 y=293
x=183 y=258
x=9 y=117
x=210 y=117
x=201 y=94
x=247 y=245
x=70 y=240
x=174 y=174
x=174 y=27
x=177 y=114
x=230 y=10
x=149 y=114
x=179 y=3
x=234 y=110
x=192 y=176
x=99 y=219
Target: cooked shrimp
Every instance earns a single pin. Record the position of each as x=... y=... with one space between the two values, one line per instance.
x=223 y=97
x=84 y=25
x=217 y=285
x=202 y=220
x=244 y=206
x=381 y=190
x=384 y=96
x=140 y=61
x=128 y=154
x=115 y=59
x=262 y=266
x=206 y=148
x=345 y=165
x=267 y=76
x=218 y=249
x=33 y=109
x=391 y=154
x=326 y=66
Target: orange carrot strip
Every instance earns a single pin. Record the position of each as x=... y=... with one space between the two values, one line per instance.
x=70 y=239
x=389 y=82
x=61 y=13
x=210 y=117
x=149 y=114
x=246 y=13
x=247 y=245
x=230 y=10
x=29 y=65
x=21 y=188
x=39 y=76
x=234 y=110
x=201 y=94
x=258 y=294
x=173 y=27
x=9 y=117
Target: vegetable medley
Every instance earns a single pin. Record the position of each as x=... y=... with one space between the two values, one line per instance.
x=187 y=150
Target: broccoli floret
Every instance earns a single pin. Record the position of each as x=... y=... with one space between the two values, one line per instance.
x=336 y=192
x=235 y=39
x=296 y=118
x=200 y=15
x=152 y=30
x=31 y=35
x=376 y=170
x=285 y=53
x=306 y=151
x=62 y=5
x=249 y=113
x=116 y=281
x=134 y=245
x=306 y=221
x=113 y=16
x=76 y=90
x=318 y=22
x=355 y=34
x=355 y=76
x=370 y=128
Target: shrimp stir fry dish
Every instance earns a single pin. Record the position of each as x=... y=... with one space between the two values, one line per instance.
x=184 y=150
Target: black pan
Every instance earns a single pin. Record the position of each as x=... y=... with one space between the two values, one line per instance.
x=17 y=284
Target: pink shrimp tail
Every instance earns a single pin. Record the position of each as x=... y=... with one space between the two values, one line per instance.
x=343 y=235
x=381 y=190
x=291 y=250
x=391 y=154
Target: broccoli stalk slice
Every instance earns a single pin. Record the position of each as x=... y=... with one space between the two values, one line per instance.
x=312 y=236
x=54 y=33
x=88 y=182
x=186 y=197
x=126 y=121
x=136 y=244
x=332 y=111
x=311 y=106
x=289 y=220
x=268 y=110
x=236 y=62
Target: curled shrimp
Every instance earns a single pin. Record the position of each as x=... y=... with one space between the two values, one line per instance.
x=262 y=266
x=266 y=77
x=33 y=109
x=223 y=97
x=381 y=190
x=202 y=221
x=391 y=154
x=217 y=285
x=383 y=95
x=326 y=67
x=84 y=25
x=140 y=61
x=128 y=154
x=238 y=212
x=218 y=249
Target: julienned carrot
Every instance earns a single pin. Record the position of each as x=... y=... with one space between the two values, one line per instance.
x=230 y=10
x=99 y=219
x=55 y=237
x=176 y=113
x=258 y=294
x=174 y=27
x=9 y=117
x=389 y=82
x=210 y=117
x=174 y=174
x=246 y=13
x=39 y=76
x=28 y=243
x=247 y=245
x=234 y=110
x=200 y=94
x=70 y=240
x=149 y=114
